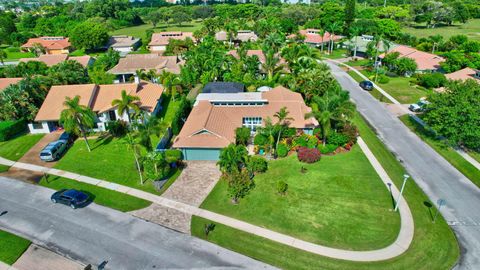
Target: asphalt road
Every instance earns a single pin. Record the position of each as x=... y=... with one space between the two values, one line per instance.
x=438 y=178
x=95 y=233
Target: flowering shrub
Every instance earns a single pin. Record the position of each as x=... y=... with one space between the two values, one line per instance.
x=308 y=155
x=328 y=148
x=306 y=140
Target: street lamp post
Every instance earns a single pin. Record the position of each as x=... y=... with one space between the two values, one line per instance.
x=405 y=177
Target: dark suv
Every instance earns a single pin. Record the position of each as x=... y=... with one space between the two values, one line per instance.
x=366 y=85
x=67 y=138
x=70 y=197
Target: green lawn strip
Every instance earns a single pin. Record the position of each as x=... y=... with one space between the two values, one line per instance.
x=15 y=56
x=470 y=29
x=375 y=93
x=15 y=148
x=101 y=196
x=358 y=63
x=444 y=150
x=140 y=30
x=3 y=168
x=169 y=108
x=401 y=89
x=475 y=155
x=11 y=247
x=336 y=54
x=434 y=245
x=339 y=202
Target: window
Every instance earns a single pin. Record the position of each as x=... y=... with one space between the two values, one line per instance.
x=37 y=126
x=112 y=115
x=252 y=122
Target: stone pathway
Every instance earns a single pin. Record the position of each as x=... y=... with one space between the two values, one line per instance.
x=192 y=187
x=32 y=156
x=39 y=258
x=398 y=247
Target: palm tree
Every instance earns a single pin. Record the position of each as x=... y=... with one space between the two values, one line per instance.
x=436 y=40
x=332 y=28
x=321 y=32
x=170 y=82
x=283 y=121
x=271 y=66
x=274 y=41
x=3 y=56
x=269 y=130
x=232 y=30
x=232 y=158
x=355 y=31
x=126 y=103
x=152 y=126
x=76 y=118
x=132 y=144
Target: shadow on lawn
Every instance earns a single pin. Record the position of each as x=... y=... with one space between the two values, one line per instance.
x=103 y=139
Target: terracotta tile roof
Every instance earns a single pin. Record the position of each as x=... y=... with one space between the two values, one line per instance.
x=424 y=60
x=211 y=126
x=83 y=60
x=133 y=62
x=162 y=38
x=312 y=36
x=51 y=43
x=5 y=82
x=48 y=59
x=97 y=97
x=242 y=35
x=463 y=74
x=53 y=104
x=122 y=41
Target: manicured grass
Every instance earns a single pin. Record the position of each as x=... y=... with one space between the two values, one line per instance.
x=444 y=150
x=375 y=93
x=140 y=30
x=336 y=54
x=471 y=29
x=169 y=108
x=434 y=245
x=14 y=56
x=475 y=155
x=15 y=148
x=358 y=63
x=339 y=202
x=11 y=247
x=102 y=196
x=3 y=168
x=109 y=160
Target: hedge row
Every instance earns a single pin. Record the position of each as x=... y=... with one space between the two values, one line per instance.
x=8 y=129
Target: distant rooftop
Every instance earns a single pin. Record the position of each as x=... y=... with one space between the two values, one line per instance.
x=223 y=87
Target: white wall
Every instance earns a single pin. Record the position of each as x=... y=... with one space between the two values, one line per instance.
x=46 y=128
x=157 y=48
x=122 y=49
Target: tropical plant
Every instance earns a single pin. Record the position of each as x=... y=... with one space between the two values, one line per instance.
x=126 y=103
x=232 y=158
x=282 y=123
x=170 y=82
x=242 y=135
x=76 y=118
x=133 y=145
x=257 y=164
x=308 y=155
x=282 y=187
x=151 y=126
x=3 y=56
x=239 y=184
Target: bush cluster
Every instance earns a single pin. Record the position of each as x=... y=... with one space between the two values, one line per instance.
x=308 y=155
x=282 y=150
x=117 y=128
x=8 y=129
x=338 y=139
x=328 y=148
x=432 y=80
x=257 y=164
x=282 y=187
x=306 y=140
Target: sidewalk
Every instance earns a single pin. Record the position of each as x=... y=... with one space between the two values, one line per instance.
x=398 y=247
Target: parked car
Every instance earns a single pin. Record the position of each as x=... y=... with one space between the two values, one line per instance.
x=419 y=106
x=70 y=197
x=366 y=85
x=67 y=138
x=53 y=151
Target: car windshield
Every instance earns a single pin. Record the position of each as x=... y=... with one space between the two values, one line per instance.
x=45 y=154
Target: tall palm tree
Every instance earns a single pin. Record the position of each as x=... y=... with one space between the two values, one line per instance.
x=321 y=32
x=170 y=82
x=269 y=130
x=231 y=28
x=436 y=40
x=77 y=118
x=283 y=122
x=271 y=65
x=355 y=31
x=133 y=145
x=126 y=103
x=274 y=41
x=332 y=28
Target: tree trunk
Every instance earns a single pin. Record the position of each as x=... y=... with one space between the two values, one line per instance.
x=278 y=140
x=355 y=49
x=138 y=167
x=84 y=134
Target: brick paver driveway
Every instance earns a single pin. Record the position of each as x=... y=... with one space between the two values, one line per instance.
x=192 y=187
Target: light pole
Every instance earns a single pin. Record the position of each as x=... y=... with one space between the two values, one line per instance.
x=440 y=202
x=405 y=177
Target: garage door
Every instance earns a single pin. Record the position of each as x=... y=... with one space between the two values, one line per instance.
x=201 y=154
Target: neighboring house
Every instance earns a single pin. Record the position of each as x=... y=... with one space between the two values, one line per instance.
x=223 y=87
x=426 y=62
x=97 y=97
x=53 y=59
x=464 y=74
x=52 y=45
x=160 y=40
x=215 y=116
x=362 y=45
x=128 y=66
x=312 y=37
x=123 y=44
x=242 y=36
x=6 y=82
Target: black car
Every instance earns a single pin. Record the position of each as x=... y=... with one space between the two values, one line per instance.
x=366 y=85
x=67 y=138
x=71 y=197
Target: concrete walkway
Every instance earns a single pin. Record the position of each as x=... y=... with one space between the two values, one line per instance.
x=399 y=246
x=4 y=266
x=405 y=110
x=39 y=258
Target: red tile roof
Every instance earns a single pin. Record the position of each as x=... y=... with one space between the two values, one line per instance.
x=6 y=82
x=424 y=60
x=162 y=38
x=313 y=36
x=51 y=43
x=463 y=74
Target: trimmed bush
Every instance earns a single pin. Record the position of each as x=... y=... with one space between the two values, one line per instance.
x=432 y=80
x=257 y=164
x=338 y=139
x=117 y=128
x=260 y=140
x=383 y=79
x=328 y=148
x=8 y=129
x=282 y=187
x=351 y=131
x=282 y=150
x=308 y=155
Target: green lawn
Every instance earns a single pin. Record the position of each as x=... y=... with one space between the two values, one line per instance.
x=14 y=56
x=328 y=205
x=444 y=150
x=11 y=247
x=15 y=148
x=434 y=245
x=102 y=196
x=336 y=54
x=109 y=160
x=140 y=30
x=471 y=29
x=170 y=108
x=475 y=155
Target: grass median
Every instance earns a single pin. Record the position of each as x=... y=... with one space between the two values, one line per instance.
x=12 y=247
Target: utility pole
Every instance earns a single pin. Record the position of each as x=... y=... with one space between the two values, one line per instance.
x=405 y=177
